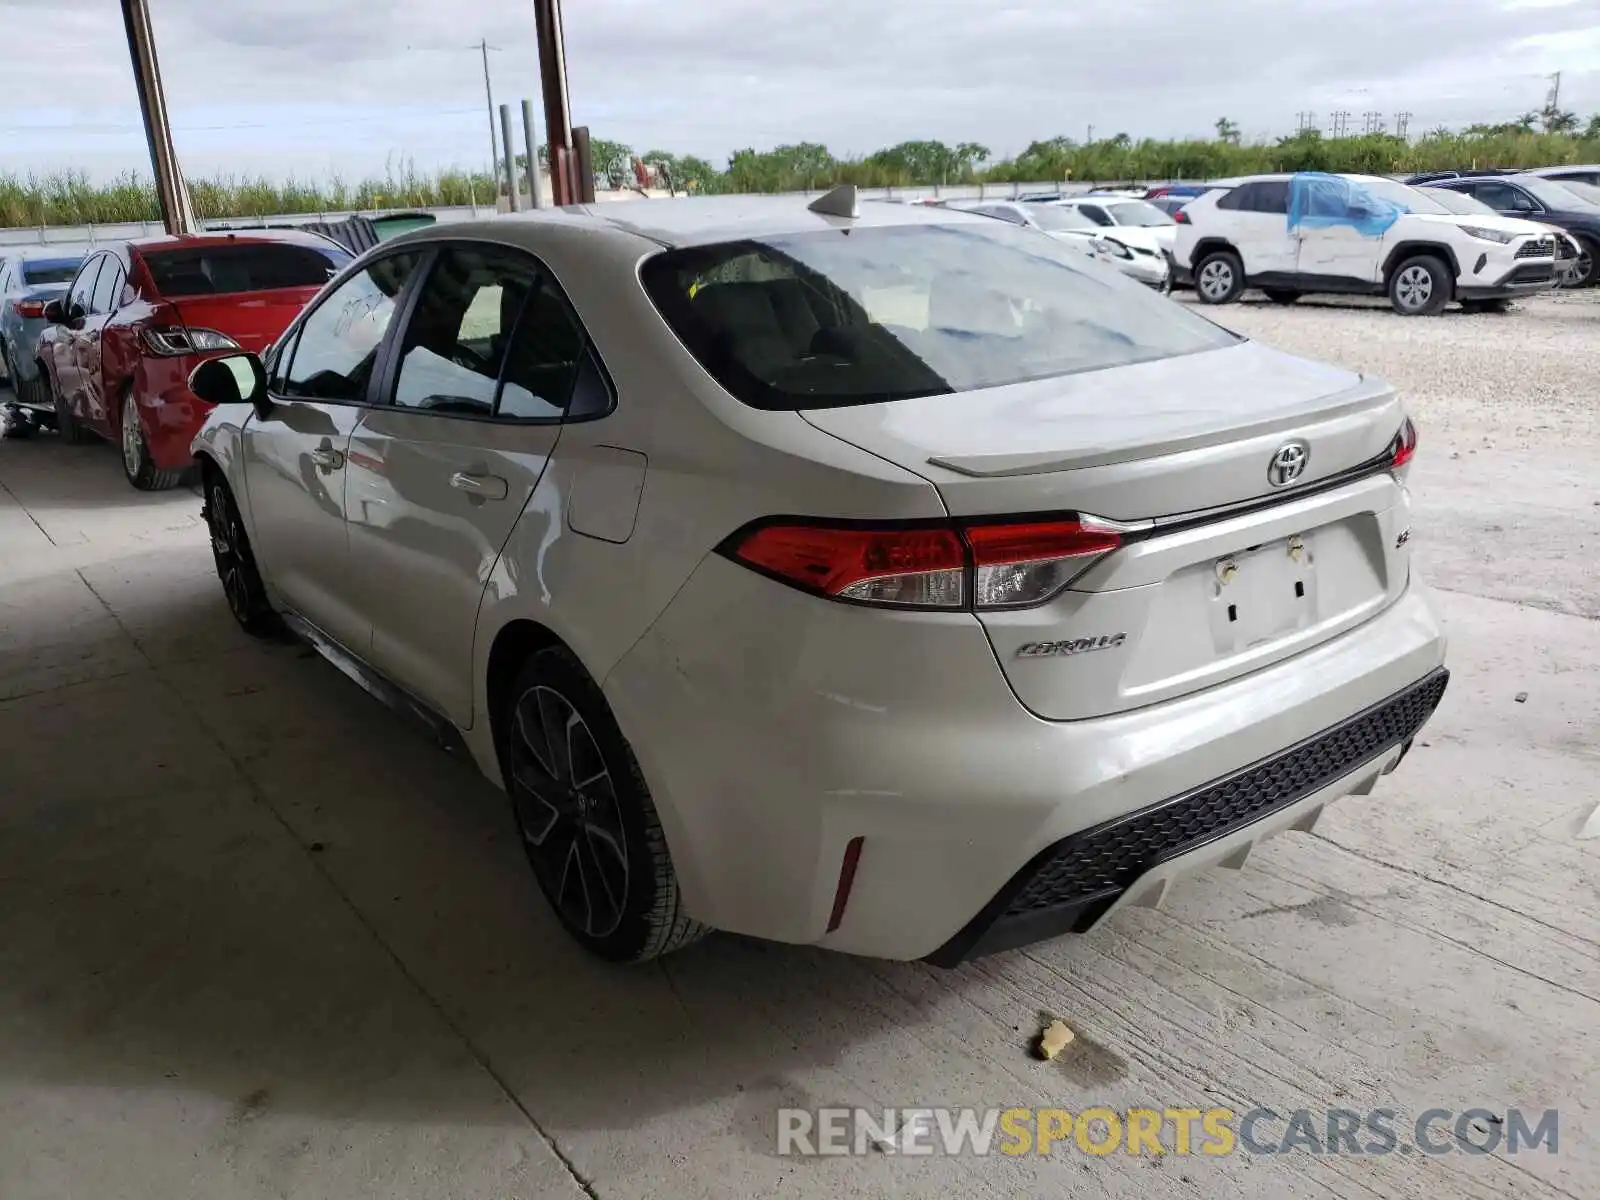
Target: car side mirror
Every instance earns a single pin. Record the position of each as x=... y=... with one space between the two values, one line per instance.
x=232 y=379
x=55 y=312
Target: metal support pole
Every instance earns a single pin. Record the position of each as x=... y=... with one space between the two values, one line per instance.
x=557 y=114
x=531 y=137
x=514 y=194
x=582 y=167
x=488 y=95
x=177 y=214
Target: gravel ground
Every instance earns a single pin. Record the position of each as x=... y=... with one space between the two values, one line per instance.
x=1508 y=406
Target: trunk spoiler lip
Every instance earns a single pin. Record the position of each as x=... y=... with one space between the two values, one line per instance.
x=1378 y=464
x=1367 y=394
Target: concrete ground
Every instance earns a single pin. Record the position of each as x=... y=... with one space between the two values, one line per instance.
x=258 y=938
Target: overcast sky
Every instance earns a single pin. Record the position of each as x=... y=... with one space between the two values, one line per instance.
x=283 y=87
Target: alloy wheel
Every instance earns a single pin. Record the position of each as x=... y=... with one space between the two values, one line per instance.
x=1578 y=269
x=1216 y=279
x=567 y=812
x=1414 y=288
x=227 y=542
x=132 y=437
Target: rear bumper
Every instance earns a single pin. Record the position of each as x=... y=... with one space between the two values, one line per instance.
x=1073 y=885
x=774 y=729
x=172 y=413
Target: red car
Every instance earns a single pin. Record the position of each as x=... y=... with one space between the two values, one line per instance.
x=141 y=315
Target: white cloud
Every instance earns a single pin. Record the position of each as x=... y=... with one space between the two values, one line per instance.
x=313 y=86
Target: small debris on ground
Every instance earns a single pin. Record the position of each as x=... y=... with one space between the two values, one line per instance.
x=1055 y=1038
x=1591 y=827
x=1522 y=697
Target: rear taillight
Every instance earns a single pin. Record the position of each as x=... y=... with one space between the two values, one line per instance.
x=1404 y=446
x=937 y=565
x=1016 y=566
x=28 y=309
x=1180 y=217
x=177 y=340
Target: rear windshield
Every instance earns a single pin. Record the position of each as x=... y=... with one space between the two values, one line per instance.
x=50 y=270
x=245 y=267
x=858 y=316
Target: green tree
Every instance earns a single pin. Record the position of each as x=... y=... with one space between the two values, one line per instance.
x=1227 y=131
x=1555 y=120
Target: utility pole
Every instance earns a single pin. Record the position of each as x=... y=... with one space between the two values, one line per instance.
x=177 y=214
x=1340 y=123
x=1554 y=103
x=488 y=95
x=1401 y=121
x=1373 y=122
x=1089 y=141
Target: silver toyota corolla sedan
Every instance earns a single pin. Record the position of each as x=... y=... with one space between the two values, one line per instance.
x=866 y=575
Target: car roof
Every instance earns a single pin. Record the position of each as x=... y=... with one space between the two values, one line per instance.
x=38 y=254
x=700 y=220
x=293 y=237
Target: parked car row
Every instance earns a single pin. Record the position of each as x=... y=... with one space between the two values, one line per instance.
x=835 y=573
x=108 y=353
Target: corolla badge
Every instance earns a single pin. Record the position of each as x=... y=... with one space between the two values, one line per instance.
x=1288 y=463
x=1070 y=646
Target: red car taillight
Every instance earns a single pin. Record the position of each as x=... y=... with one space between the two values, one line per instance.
x=1180 y=217
x=939 y=565
x=1404 y=447
x=31 y=309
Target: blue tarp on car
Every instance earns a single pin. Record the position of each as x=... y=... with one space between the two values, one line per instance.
x=1319 y=201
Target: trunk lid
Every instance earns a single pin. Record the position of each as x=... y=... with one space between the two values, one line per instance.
x=253 y=319
x=1194 y=596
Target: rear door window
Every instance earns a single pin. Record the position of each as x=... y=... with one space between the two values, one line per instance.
x=108 y=287
x=229 y=268
x=1268 y=196
x=455 y=343
x=491 y=335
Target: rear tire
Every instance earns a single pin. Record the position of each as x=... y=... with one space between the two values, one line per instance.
x=236 y=563
x=1219 y=277
x=1420 y=286
x=137 y=464
x=1281 y=295
x=585 y=816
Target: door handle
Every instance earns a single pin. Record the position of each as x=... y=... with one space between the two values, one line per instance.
x=484 y=487
x=327 y=458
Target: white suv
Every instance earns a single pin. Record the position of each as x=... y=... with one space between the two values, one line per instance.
x=1292 y=235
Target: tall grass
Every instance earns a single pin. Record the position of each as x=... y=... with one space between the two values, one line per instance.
x=69 y=198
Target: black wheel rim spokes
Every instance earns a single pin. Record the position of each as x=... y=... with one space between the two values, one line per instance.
x=566 y=805
x=226 y=540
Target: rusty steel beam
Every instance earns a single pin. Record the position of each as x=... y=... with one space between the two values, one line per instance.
x=557 y=110
x=177 y=213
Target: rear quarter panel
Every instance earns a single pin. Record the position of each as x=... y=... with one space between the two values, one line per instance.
x=712 y=465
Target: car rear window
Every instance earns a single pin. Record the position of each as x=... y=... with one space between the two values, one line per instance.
x=50 y=270
x=865 y=315
x=244 y=267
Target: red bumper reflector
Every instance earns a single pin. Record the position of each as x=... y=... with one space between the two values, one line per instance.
x=847 y=878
